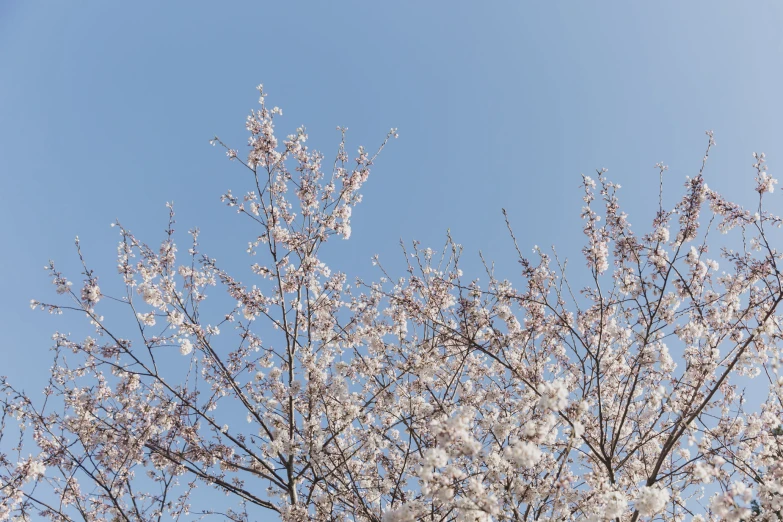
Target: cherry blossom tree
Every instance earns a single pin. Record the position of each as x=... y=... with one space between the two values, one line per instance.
x=432 y=396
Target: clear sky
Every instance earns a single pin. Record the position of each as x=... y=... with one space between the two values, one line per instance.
x=106 y=109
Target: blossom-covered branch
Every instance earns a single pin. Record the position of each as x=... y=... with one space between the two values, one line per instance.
x=612 y=395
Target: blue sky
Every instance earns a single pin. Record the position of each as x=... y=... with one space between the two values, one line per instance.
x=107 y=109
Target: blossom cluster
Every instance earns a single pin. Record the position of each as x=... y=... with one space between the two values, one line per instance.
x=426 y=397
